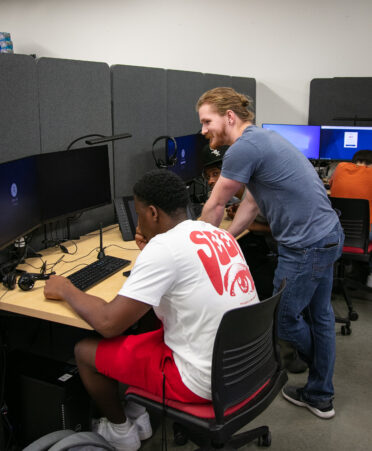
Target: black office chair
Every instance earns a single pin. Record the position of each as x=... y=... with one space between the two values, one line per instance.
x=246 y=377
x=354 y=218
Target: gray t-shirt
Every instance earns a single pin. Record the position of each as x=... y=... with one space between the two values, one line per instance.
x=284 y=184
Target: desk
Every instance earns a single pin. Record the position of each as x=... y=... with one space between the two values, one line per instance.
x=33 y=303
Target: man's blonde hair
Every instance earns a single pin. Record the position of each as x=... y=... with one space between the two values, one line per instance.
x=224 y=99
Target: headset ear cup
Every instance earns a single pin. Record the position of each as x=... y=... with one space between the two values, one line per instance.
x=26 y=282
x=171 y=161
x=9 y=280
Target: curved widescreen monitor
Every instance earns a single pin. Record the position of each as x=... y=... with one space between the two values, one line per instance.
x=19 y=199
x=342 y=142
x=189 y=163
x=305 y=138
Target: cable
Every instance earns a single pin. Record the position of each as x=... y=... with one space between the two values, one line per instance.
x=104 y=231
x=121 y=247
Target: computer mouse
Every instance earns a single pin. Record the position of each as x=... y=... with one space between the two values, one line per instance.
x=126 y=273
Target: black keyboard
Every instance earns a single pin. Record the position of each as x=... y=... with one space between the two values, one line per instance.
x=97 y=271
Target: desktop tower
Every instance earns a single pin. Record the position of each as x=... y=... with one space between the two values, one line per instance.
x=45 y=396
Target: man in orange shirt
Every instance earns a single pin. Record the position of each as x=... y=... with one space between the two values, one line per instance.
x=354 y=180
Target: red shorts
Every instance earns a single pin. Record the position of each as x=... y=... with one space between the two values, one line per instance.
x=140 y=361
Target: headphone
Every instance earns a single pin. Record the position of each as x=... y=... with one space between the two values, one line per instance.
x=27 y=280
x=171 y=161
x=10 y=278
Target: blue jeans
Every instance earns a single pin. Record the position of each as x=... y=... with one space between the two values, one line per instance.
x=305 y=313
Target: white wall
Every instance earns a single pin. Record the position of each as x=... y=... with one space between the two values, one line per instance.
x=284 y=44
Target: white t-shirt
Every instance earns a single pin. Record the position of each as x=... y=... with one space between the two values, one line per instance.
x=191 y=275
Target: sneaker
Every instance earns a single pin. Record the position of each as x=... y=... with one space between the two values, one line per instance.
x=143 y=426
x=322 y=409
x=369 y=281
x=125 y=440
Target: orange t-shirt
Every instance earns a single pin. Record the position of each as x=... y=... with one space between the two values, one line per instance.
x=352 y=181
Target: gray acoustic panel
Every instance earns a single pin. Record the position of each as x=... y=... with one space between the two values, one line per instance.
x=19 y=115
x=183 y=91
x=322 y=104
x=214 y=81
x=139 y=107
x=75 y=100
x=341 y=101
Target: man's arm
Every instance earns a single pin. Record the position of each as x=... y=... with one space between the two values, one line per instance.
x=108 y=318
x=244 y=215
x=222 y=192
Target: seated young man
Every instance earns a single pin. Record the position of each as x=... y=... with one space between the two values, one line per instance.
x=190 y=273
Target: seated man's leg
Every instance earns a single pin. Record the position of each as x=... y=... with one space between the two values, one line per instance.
x=119 y=431
x=143 y=361
x=102 y=389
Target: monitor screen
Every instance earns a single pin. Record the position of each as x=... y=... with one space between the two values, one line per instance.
x=189 y=156
x=19 y=199
x=73 y=181
x=342 y=142
x=304 y=137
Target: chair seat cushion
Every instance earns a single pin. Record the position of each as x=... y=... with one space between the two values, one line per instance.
x=199 y=410
x=356 y=250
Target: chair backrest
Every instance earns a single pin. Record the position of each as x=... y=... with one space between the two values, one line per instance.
x=245 y=355
x=354 y=219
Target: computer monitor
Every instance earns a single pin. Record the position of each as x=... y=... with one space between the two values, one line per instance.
x=73 y=181
x=304 y=137
x=189 y=156
x=342 y=142
x=19 y=199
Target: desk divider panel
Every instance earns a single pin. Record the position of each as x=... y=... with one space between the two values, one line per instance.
x=75 y=100
x=139 y=108
x=19 y=108
x=183 y=90
x=49 y=102
x=342 y=98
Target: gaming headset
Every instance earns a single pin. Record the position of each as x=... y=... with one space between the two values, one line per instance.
x=27 y=280
x=171 y=161
x=10 y=279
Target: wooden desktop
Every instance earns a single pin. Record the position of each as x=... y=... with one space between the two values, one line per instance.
x=33 y=303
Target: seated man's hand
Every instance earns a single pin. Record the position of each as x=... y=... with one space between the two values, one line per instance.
x=55 y=287
x=232 y=210
x=140 y=239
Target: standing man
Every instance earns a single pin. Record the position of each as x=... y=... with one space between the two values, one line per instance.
x=284 y=186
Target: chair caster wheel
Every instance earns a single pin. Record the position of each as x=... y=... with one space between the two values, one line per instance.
x=345 y=330
x=180 y=438
x=353 y=315
x=265 y=440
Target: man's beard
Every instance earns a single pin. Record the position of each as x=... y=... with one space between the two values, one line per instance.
x=218 y=139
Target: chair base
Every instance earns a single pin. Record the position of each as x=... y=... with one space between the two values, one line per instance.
x=343 y=284
x=261 y=433
x=345 y=328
